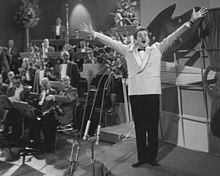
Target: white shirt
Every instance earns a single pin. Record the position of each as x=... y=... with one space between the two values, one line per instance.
x=63 y=70
x=58 y=30
x=43 y=96
x=28 y=75
x=11 y=84
x=17 y=93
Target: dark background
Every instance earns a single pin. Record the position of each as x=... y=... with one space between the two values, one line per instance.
x=49 y=11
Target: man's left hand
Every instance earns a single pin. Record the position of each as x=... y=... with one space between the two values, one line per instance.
x=199 y=14
x=50 y=97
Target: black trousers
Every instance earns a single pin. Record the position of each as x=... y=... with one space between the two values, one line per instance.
x=49 y=128
x=145 y=111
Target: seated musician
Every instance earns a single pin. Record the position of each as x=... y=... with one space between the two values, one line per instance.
x=67 y=100
x=27 y=72
x=16 y=93
x=71 y=50
x=3 y=86
x=46 y=47
x=43 y=106
x=69 y=68
x=9 y=80
x=45 y=90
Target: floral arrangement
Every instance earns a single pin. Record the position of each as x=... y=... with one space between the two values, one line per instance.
x=27 y=15
x=118 y=67
x=126 y=9
x=129 y=9
x=115 y=63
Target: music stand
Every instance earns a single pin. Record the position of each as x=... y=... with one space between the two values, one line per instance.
x=53 y=55
x=25 y=109
x=94 y=42
x=79 y=59
x=5 y=103
x=80 y=55
x=25 y=54
x=127 y=30
x=75 y=41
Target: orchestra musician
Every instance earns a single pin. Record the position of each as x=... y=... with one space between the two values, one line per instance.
x=27 y=72
x=46 y=48
x=58 y=30
x=67 y=101
x=16 y=93
x=43 y=106
x=9 y=80
x=14 y=56
x=70 y=69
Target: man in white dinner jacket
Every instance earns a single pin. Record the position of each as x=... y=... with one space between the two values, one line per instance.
x=144 y=82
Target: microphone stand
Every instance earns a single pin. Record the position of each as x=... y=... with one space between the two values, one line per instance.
x=78 y=136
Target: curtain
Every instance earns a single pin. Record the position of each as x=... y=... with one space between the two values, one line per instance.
x=210 y=34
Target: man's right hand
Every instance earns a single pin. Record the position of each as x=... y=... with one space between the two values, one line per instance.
x=87 y=28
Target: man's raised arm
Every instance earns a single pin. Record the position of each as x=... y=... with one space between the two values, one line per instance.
x=116 y=45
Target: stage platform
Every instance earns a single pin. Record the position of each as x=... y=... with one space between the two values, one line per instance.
x=174 y=160
x=111 y=159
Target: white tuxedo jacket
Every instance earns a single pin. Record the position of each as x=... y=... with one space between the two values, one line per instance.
x=143 y=71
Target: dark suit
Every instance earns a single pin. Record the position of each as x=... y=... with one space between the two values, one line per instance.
x=3 y=89
x=4 y=58
x=15 y=62
x=67 y=100
x=73 y=72
x=44 y=123
x=62 y=32
x=31 y=71
x=49 y=49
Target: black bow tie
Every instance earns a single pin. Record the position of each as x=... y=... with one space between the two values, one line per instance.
x=141 y=49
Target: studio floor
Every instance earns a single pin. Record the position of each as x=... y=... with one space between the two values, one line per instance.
x=110 y=159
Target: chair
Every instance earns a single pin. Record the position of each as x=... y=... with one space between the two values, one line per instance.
x=3 y=141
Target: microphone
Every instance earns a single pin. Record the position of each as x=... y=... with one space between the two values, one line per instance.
x=98 y=134
x=87 y=129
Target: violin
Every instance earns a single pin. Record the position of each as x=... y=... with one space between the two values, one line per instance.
x=55 y=109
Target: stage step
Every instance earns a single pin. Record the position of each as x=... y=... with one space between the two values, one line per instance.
x=114 y=134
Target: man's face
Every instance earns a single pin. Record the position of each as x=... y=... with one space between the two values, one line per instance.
x=142 y=39
x=58 y=21
x=25 y=62
x=65 y=57
x=10 y=76
x=17 y=83
x=45 y=84
x=10 y=43
x=65 y=82
x=46 y=43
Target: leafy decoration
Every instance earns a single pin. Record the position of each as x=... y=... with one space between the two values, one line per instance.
x=28 y=13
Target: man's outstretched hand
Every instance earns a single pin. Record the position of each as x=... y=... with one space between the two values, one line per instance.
x=199 y=14
x=86 y=28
